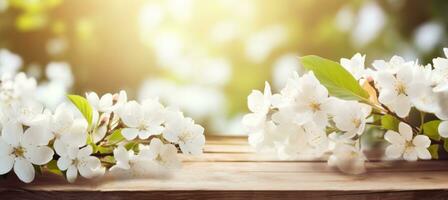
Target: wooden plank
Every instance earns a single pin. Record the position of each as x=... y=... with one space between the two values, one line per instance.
x=229 y=169
x=242 y=176
x=225 y=195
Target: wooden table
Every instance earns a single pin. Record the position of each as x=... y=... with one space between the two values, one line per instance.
x=229 y=169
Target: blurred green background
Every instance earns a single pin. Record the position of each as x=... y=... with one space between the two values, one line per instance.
x=205 y=56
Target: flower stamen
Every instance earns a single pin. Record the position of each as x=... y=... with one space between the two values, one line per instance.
x=315 y=106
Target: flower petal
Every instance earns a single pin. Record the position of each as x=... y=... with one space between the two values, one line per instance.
x=64 y=163
x=443 y=129
x=89 y=166
x=122 y=157
x=5 y=148
x=6 y=164
x=36 y=135
x=421 y=141
x=387 y=96
x=405 y=75
x=60 y=147
x=385 y=79
x=394 y=138
x=402 y=105
x=394 y=151
x=12 y=133
x=93 y=99
x=405 y=131
x=77 y=135
x=257 y=102
x=105 y=102
x=130 y=133
x=62 y=119
x=99 y=133
x=253 y=121
x=423 y=153
x=24 y=170
x=85 y=152
x=152 y=130
x=72 y=173
x=410 y=154
x=131 y=114
x=154 y=148
x=39 y=155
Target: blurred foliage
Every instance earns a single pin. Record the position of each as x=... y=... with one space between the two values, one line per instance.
x=111 y=48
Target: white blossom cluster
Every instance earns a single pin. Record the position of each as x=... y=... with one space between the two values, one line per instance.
x=89 y=136
x=303 y=118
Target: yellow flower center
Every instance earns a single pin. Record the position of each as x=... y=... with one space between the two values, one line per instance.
x=315 y=106
x=400 y=88
x=356 y=122
x=19 y=151
x=159 y=158
x=408 y=146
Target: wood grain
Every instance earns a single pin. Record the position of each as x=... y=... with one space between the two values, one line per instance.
x=229 y=170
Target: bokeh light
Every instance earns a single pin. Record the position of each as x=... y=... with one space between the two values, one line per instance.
x=204 y=56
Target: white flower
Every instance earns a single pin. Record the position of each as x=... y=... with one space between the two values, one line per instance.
x=403 y=144
x=9 y=62
x=440 y=75
x=186 y=133
x=142 y=120
x=289 y=140
x=393 y=65
x=311 y=104
x=28 y=112
x=397 y=91
x=17 y=88
x=76 y=159
x=21 y=150
x=67 y=130
x=316 y=140
x=130 y=165
x=60 y=72
x=259 y=104
x=347 y=158
x=426 y=100
x=355 y=65
x=350 y=116
x=108 y=102
x=123 y=158
x=163 y=154
x=265 y=137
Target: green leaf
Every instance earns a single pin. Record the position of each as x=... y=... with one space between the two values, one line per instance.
x=389 y=122
x=131 y=146
x=431 y=129
x=105 y=150
x=339 y=82
x=434 y=150
x=115 y=137
x=52 y=167
x=83 y=106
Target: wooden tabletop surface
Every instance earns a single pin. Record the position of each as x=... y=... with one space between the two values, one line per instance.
x=229 y=169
